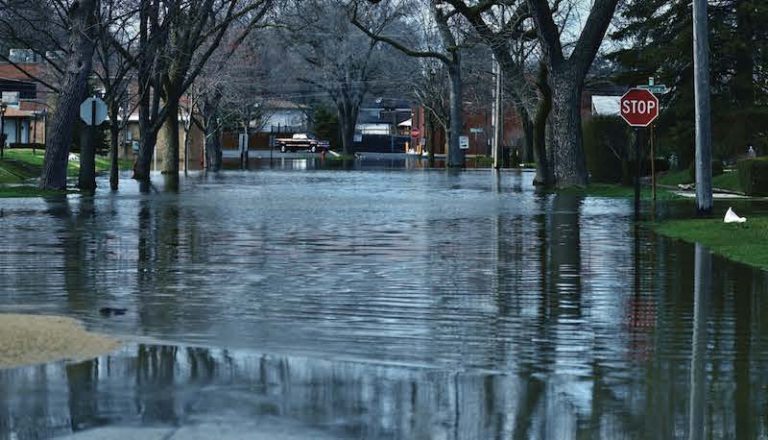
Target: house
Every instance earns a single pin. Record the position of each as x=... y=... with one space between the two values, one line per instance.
x=25 y=100
x=477 y=127
x=605 y=105
x=384 y=125
x=281 y=116
x=130 y=138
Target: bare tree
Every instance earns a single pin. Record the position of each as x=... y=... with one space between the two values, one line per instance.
x=196 y=26
x=82 y=17
x=39 y=26
x=565 y=75
x=339 y=60
x=503 y=27
x=228 y=91
x=447 y=52
x=175 y=41
x=115 y=74
x=430 y=89
x=65 y=36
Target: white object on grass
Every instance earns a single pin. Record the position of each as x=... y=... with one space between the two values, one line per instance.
x=731 y=217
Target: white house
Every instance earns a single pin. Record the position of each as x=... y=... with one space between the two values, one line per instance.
x=283 y=116
x=606 y=105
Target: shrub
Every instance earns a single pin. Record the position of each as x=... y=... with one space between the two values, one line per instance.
x=661 y=164
x=753 y=176
x=604 y=137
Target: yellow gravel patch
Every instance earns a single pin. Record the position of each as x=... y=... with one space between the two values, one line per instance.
x=34 y=339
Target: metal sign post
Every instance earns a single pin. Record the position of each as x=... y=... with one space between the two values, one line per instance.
x=93 y=111
x=638 y=170
x=639 y=108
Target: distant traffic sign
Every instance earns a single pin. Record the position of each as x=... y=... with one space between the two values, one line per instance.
x=464 y=142
x=639 y=107
x=659 y=89
x=93 y=111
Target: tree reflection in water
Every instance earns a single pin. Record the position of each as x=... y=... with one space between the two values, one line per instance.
x=478 y=309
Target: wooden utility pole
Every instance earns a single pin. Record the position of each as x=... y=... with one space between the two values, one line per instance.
x=703 y=114
x=497 y=117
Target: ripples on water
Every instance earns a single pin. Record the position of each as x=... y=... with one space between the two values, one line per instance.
x=379 y=304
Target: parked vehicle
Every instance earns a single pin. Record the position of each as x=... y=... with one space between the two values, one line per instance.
x=301 y=141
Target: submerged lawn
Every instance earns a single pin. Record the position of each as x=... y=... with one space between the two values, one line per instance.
x=20 y=167
x=622 y=192
x=743 y=242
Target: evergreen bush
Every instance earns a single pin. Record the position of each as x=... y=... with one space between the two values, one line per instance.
x=753 y=176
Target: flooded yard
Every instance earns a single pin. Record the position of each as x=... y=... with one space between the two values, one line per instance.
x=380 y=303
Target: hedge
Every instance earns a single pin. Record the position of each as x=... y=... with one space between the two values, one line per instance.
x=602 y=135
x=753 y=176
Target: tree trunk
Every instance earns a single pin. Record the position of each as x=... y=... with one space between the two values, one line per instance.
x=455 y=154
x=87 y=173
x=567 y=150
x=544 y=175
x=527 y=123
x=429 y=127
x=347 y=122
x=81 y=45
x=171 y=126
x=114 y=140
x=144 y=161
x=212 y=148
x=187 y=141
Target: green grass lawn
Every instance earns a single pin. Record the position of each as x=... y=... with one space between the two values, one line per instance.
x=621 y=192
x=28 y=191
x=22 y=166
x=729 y=180
x=674 y=178
x=743 y=242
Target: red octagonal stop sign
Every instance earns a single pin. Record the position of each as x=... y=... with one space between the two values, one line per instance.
x=639 y=107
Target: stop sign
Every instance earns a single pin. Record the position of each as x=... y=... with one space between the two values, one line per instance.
x=639 y=107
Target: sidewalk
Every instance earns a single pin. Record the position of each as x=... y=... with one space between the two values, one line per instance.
x=221 y=428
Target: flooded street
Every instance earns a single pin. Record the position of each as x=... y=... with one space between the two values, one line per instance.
x=381 y=303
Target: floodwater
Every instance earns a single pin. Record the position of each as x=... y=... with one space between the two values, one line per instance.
x=381 y=303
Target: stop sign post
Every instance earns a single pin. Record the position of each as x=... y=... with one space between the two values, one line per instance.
x=93 y=111
x=639 y=108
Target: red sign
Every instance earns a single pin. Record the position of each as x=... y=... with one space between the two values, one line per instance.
x=415 y=132
x=639 y=107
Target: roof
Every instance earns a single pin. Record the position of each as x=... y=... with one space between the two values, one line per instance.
x=369 y=115
x=282 y=104
x=388 y=103
x=605 y=105
x=11 y=72
x=14 y=112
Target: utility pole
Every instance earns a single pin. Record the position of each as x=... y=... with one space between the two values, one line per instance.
x=703 y=114
x=497 y=116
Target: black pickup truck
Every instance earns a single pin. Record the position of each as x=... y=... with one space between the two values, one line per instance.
x=301 y=141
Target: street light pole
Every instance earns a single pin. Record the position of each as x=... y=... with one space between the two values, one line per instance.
x=497 y=117
x=703 y=117
x=3 y=106
x=394 y=130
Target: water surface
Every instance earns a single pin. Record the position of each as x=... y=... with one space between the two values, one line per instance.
x=382 y=303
